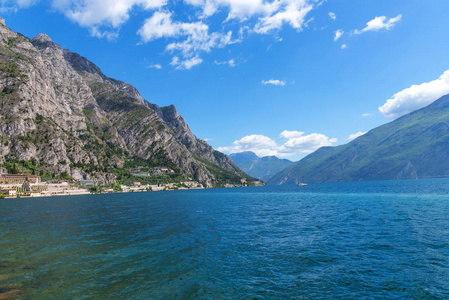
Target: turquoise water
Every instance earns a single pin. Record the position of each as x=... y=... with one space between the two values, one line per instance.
x=341 y=240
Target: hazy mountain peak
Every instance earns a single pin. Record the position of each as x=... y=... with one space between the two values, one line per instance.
x=260 y=167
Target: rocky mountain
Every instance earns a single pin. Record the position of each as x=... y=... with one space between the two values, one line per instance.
x=413 y=146
x=259 y=167
x=58 y=110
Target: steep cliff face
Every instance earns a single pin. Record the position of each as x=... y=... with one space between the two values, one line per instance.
x=59 y=109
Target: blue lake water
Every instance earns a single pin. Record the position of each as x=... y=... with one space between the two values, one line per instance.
x=387 y=239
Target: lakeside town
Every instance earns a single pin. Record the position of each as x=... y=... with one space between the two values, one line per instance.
x=28 y=185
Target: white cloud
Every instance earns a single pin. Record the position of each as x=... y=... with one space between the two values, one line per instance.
x=155 y=66
x=379 y=23
x=273 y=82
x=355 y=135
x=332 y=16
x=196 y=37
x=99 y=14
x=230 y=63
x=338 y=34
x=240 y=9
x=12 y=6
x=161 y=25
x=184 y=39
x=290 y=134
x=18 y=3
x=201 y=41
x=344 y=46
x=296 y=144
x=305 y=144
x=415 y=97
x=292 y=12
x=366 y=115
x=271 y=15
x=185 y=64
x=259 y=144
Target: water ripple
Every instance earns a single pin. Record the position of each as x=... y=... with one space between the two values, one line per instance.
x=342 y=240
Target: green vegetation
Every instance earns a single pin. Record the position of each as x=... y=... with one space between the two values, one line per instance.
x=222 y=176
x=32 y=167
x=98 y=147
x=10 y=69
x=127 y=179
x=39 y=119
x=160 y=159
x=413 y=146
x=118 y=188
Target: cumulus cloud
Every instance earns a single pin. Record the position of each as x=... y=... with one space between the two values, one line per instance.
x=332 y=16
x=271 y=15
x=161 y=25
x=196 y=36
x=259 y=144
x=291 y=12
x=187 y=40
x=290 y=143
x=379 y=23
x=344 y=46
x=338 y=34
x=355 y=135
x=290 y=134
x=193 y=38
x=238 y=9
x=273 y=82
x=305 y=144
x=415 y=97
x=100 y=16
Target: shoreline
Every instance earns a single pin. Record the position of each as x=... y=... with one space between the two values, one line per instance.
x=117 y=192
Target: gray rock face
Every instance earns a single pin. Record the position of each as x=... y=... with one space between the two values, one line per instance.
x=59 y=108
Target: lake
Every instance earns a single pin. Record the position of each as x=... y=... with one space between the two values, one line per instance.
x=386 y=239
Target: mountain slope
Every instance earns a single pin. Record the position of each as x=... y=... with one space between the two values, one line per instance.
x=59 y=110
x=413 y=146
x=260 y=167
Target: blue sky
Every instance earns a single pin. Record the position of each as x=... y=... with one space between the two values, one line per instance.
x=278 y=77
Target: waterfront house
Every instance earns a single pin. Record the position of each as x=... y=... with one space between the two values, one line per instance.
x=8 y=192
x=35 y=193
x=141 y=174
x=19 y=178
x=86 y=183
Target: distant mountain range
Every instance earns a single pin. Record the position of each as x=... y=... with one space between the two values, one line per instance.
x=413 y=146
x=60 y=114
x=259 y=167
